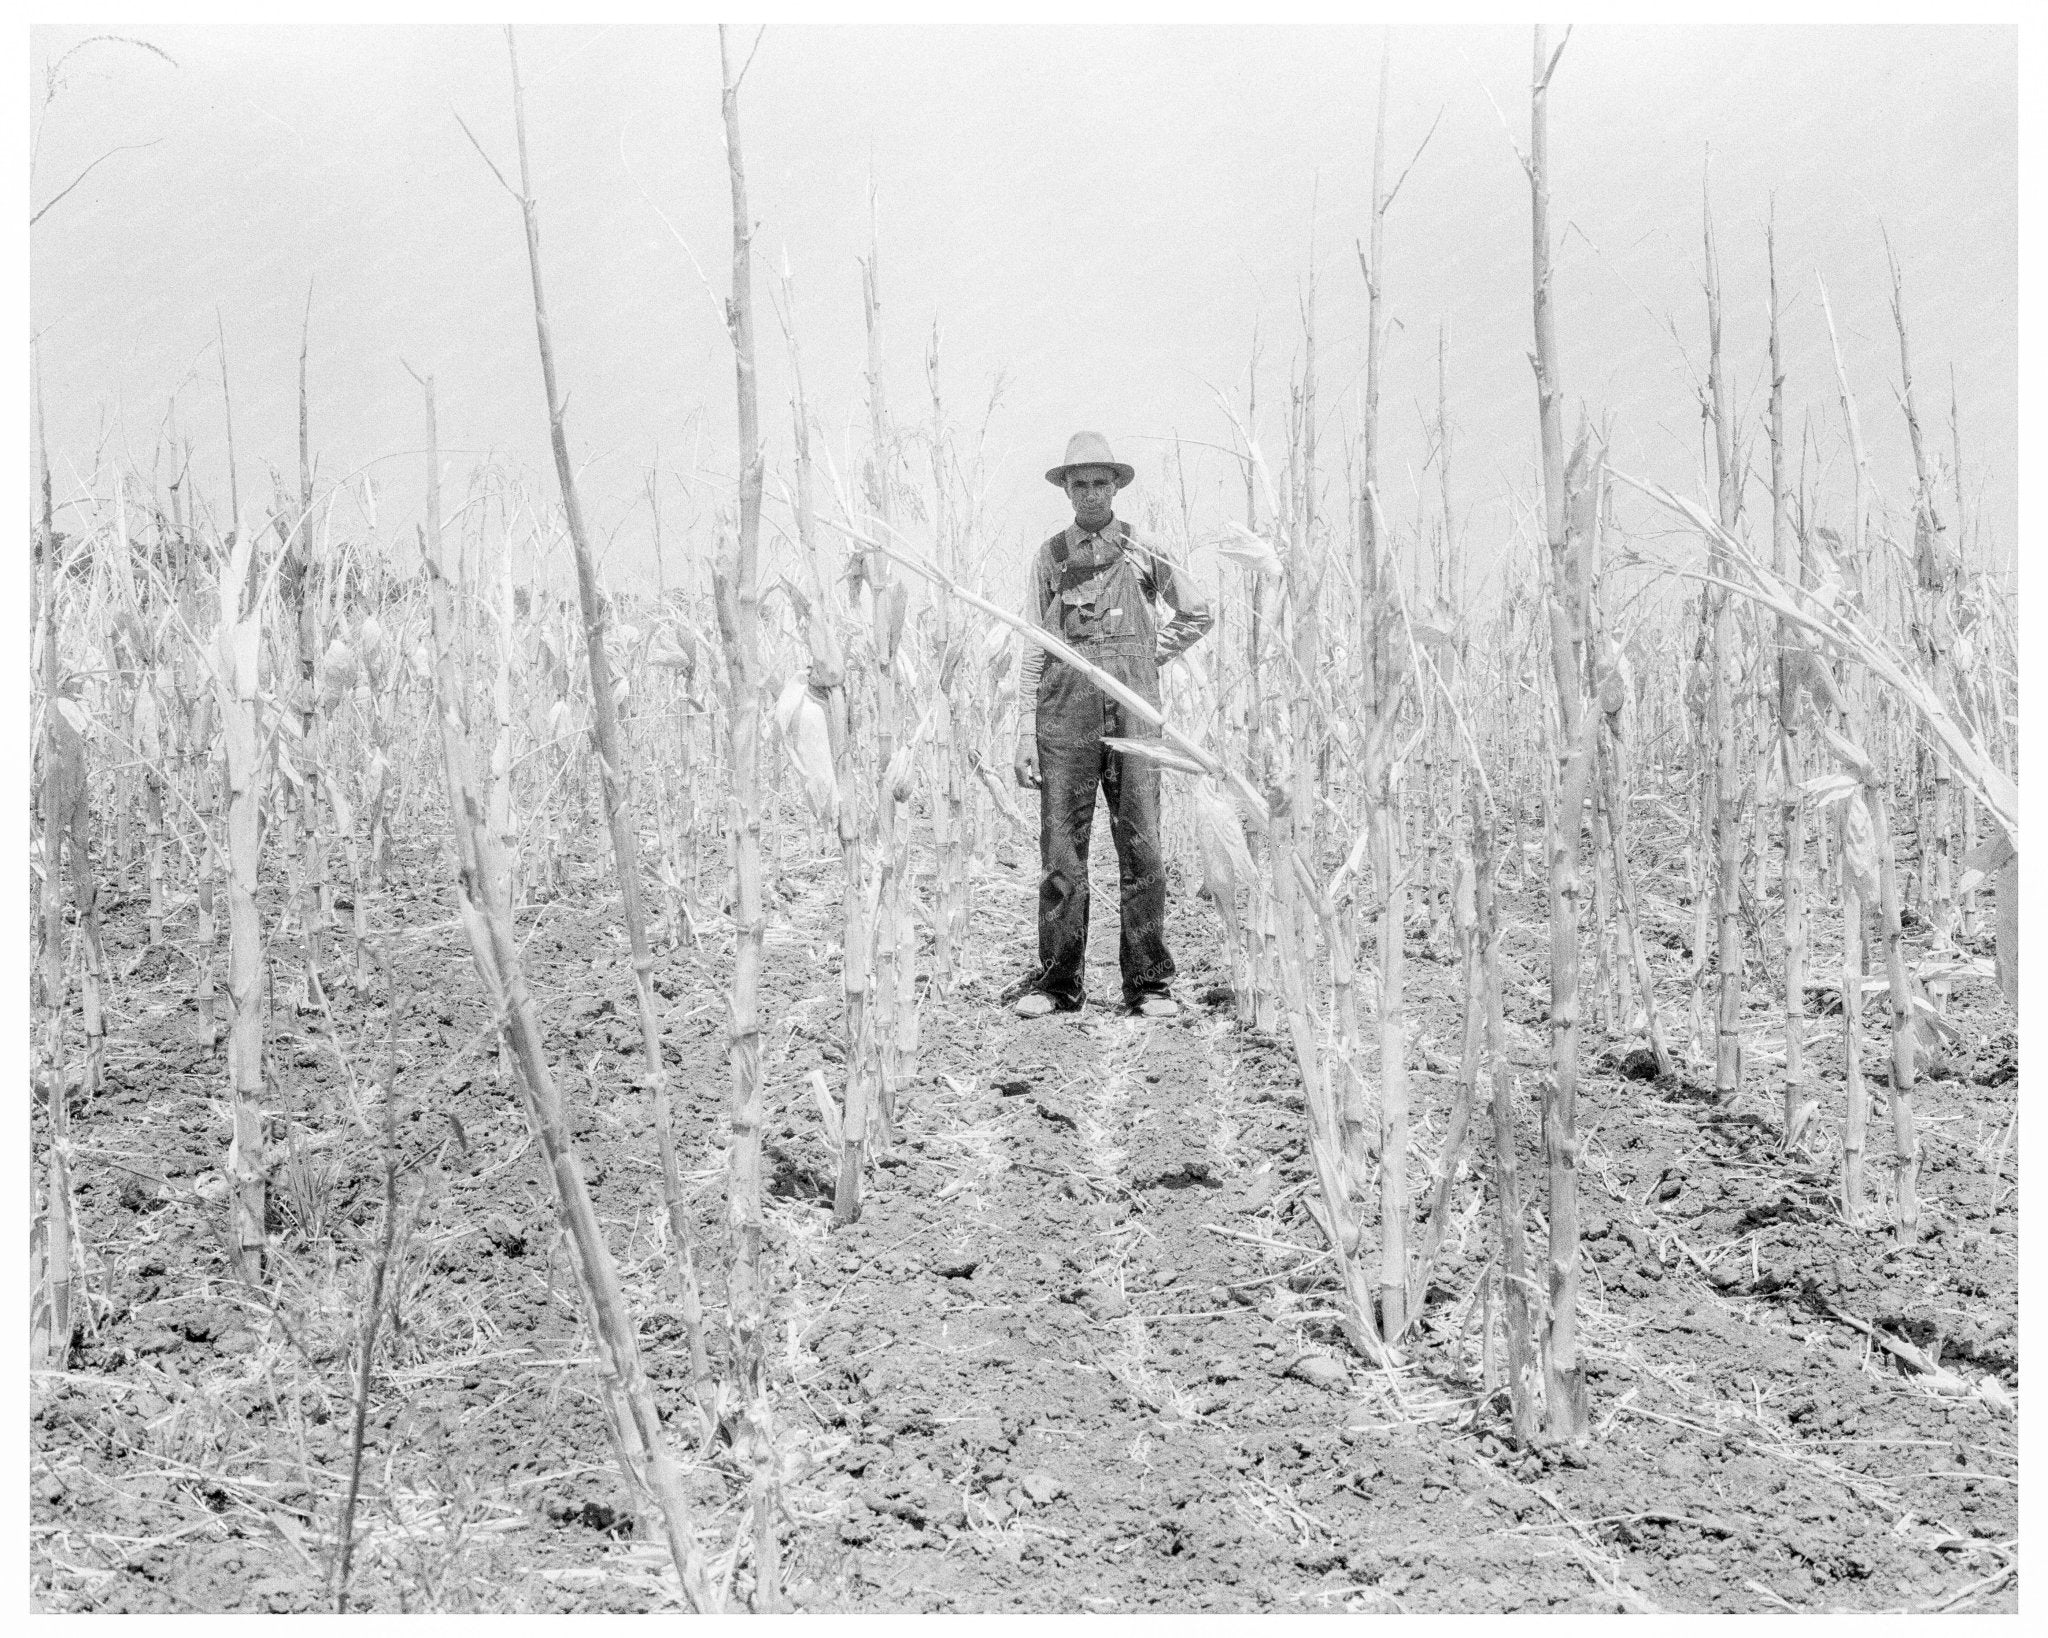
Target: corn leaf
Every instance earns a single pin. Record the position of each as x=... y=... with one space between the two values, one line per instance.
x=1153 y=750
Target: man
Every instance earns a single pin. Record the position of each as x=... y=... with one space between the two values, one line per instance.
x=1093 y=585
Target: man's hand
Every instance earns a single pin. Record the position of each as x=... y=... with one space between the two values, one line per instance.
x=1026 y=763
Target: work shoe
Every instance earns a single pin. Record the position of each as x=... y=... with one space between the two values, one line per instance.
x=1157 y=1006
x=1034 y=1004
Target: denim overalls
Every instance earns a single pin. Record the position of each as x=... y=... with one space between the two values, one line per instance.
x=1102 y=612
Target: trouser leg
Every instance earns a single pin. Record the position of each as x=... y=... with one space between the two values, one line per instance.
x=1066 y=815
x=1131 y=785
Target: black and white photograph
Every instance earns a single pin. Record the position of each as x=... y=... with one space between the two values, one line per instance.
x=1175 y=815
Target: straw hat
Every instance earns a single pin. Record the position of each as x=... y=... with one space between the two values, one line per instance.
x=1089 y=449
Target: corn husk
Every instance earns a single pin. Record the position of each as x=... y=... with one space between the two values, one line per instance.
x=1697 y=690
x=1611 y=674
x=673 y=648
x=1464 y=891
x=374 y=649
x=890 y=607
x=1824 y=790
x=1343 y=885
x=800 y=714
x=1219 y=833
x=1251 y=551
x=1435 y=624
x=1859 y=848
x=901 y=777
x=995 y=648
x=336 y=674
x=239 y=658
x=148 y=727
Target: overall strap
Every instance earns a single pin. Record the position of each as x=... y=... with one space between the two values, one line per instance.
x=1154 y=562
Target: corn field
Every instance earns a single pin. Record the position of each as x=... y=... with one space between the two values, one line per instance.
x=524 y=1115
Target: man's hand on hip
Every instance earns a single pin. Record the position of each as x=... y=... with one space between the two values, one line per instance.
x=1026 y=764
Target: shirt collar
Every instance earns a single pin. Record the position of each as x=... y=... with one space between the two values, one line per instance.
x=1111 y=535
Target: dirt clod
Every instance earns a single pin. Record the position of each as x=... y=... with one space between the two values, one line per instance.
x=1320 y=1371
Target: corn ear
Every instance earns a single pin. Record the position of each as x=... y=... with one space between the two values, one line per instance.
x=806 y=733
x=1859 y=848
x=1226 y=859
x=1252 y=551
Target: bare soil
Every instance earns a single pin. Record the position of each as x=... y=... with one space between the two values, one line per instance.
x=1075 y=1355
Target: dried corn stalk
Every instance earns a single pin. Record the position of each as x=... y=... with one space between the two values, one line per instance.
x=614 y=770
x=484 y=902
x=234 y=658
x=1566 y=535
x=820 y=699
x=740 y=619
x=1725 y=803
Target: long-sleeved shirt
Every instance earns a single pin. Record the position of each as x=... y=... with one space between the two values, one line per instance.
x=1159 y=577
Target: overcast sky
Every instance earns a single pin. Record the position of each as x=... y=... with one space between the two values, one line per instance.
x=1100 y=217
